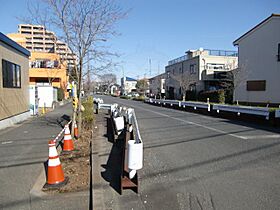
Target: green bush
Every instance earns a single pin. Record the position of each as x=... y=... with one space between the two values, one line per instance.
x=87 y=114
x=216 y=96
x=60 y=94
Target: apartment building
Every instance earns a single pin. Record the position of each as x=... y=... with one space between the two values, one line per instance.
x=198 y=70
x=14 y=97
x=157 y=85
x=259 y=63
x=36 y=38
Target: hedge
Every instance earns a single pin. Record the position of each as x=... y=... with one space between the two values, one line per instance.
x=216 y=96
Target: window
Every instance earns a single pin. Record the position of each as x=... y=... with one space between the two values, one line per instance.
x=257 y=85
x=11 y=74
x=192 y=68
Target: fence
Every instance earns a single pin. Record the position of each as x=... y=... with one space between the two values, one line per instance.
x=124 y=122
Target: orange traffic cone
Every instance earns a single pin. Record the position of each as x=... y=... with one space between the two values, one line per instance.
x=76 y=131
x=67 y=143
x=55 y=172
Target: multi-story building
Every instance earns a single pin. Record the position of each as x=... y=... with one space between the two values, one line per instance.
x=36 y=38
x=128 y=85
x=259 y=63
x=157 y=85
x=14 y=97
x=46 y=68
x=198 y=70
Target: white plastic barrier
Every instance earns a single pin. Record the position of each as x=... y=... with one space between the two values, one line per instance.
x=119 y=124
x=277 y=113
x=135 y=157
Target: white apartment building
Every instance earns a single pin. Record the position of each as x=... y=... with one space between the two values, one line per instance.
x=259 y=63
x=199 y=70
x=157 y=85
x=128 y=85
x=36 y=38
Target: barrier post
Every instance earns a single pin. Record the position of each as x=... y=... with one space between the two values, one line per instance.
x=126 y=182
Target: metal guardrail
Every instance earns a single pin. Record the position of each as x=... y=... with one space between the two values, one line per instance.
x=217 y=107
x=243 y=109
x=196 y=105
x=180 y=103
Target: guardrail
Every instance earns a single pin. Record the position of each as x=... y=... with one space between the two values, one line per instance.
x=196 y=105
x=184 y=104
x=243 y=109
x=216 y=107
x=124 y=122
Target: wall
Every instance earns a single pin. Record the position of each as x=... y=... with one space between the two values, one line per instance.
x=13 y=101
x=257 y=61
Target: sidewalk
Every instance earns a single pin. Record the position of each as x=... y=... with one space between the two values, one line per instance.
x=23 y=151
x=107 y=169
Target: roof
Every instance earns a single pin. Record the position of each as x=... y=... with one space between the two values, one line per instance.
x=256 y=27
x=130 y=79
x=13 y=44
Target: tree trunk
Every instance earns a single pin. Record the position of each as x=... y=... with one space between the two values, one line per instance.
x=79 y=114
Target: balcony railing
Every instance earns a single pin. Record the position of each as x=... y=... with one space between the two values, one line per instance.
x=177 y=60
x=222 y=52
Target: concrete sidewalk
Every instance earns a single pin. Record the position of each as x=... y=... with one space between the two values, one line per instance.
x=23 y=151
x=107 y=170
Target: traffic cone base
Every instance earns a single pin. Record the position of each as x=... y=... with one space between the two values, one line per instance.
x=55 y=175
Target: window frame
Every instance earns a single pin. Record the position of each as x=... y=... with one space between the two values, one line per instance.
x=11 y=75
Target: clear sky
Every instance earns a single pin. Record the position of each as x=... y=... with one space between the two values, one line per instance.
x=162 y=30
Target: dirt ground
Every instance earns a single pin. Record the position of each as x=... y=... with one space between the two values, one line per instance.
x=76 y=165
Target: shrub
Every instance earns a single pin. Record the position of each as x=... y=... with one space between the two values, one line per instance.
x=87 y=115
x=60 y=94
x=216 y=96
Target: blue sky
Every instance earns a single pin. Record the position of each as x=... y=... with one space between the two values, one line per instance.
x=162 y=30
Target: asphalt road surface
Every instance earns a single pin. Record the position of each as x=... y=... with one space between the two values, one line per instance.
x=193 y=161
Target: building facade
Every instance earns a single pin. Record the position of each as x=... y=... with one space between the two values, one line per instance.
x=198 y=70
x=259 y=63
x=157 y=85
x=37 y=38
x=14 y=96
x=128 y=85
x=47 y=69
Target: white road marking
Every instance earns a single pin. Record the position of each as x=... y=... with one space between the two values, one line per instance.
x=7 y=142
x=272 y=136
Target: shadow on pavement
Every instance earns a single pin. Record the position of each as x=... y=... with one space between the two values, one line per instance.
x=112 y=173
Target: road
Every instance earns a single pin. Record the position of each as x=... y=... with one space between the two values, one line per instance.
x=23 y=151
x=193 y=161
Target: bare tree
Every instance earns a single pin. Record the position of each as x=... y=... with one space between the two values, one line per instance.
x=184 y=81
x=83 y=25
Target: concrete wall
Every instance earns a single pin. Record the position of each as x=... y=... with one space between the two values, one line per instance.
x=258 y=61
x=13 y=101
